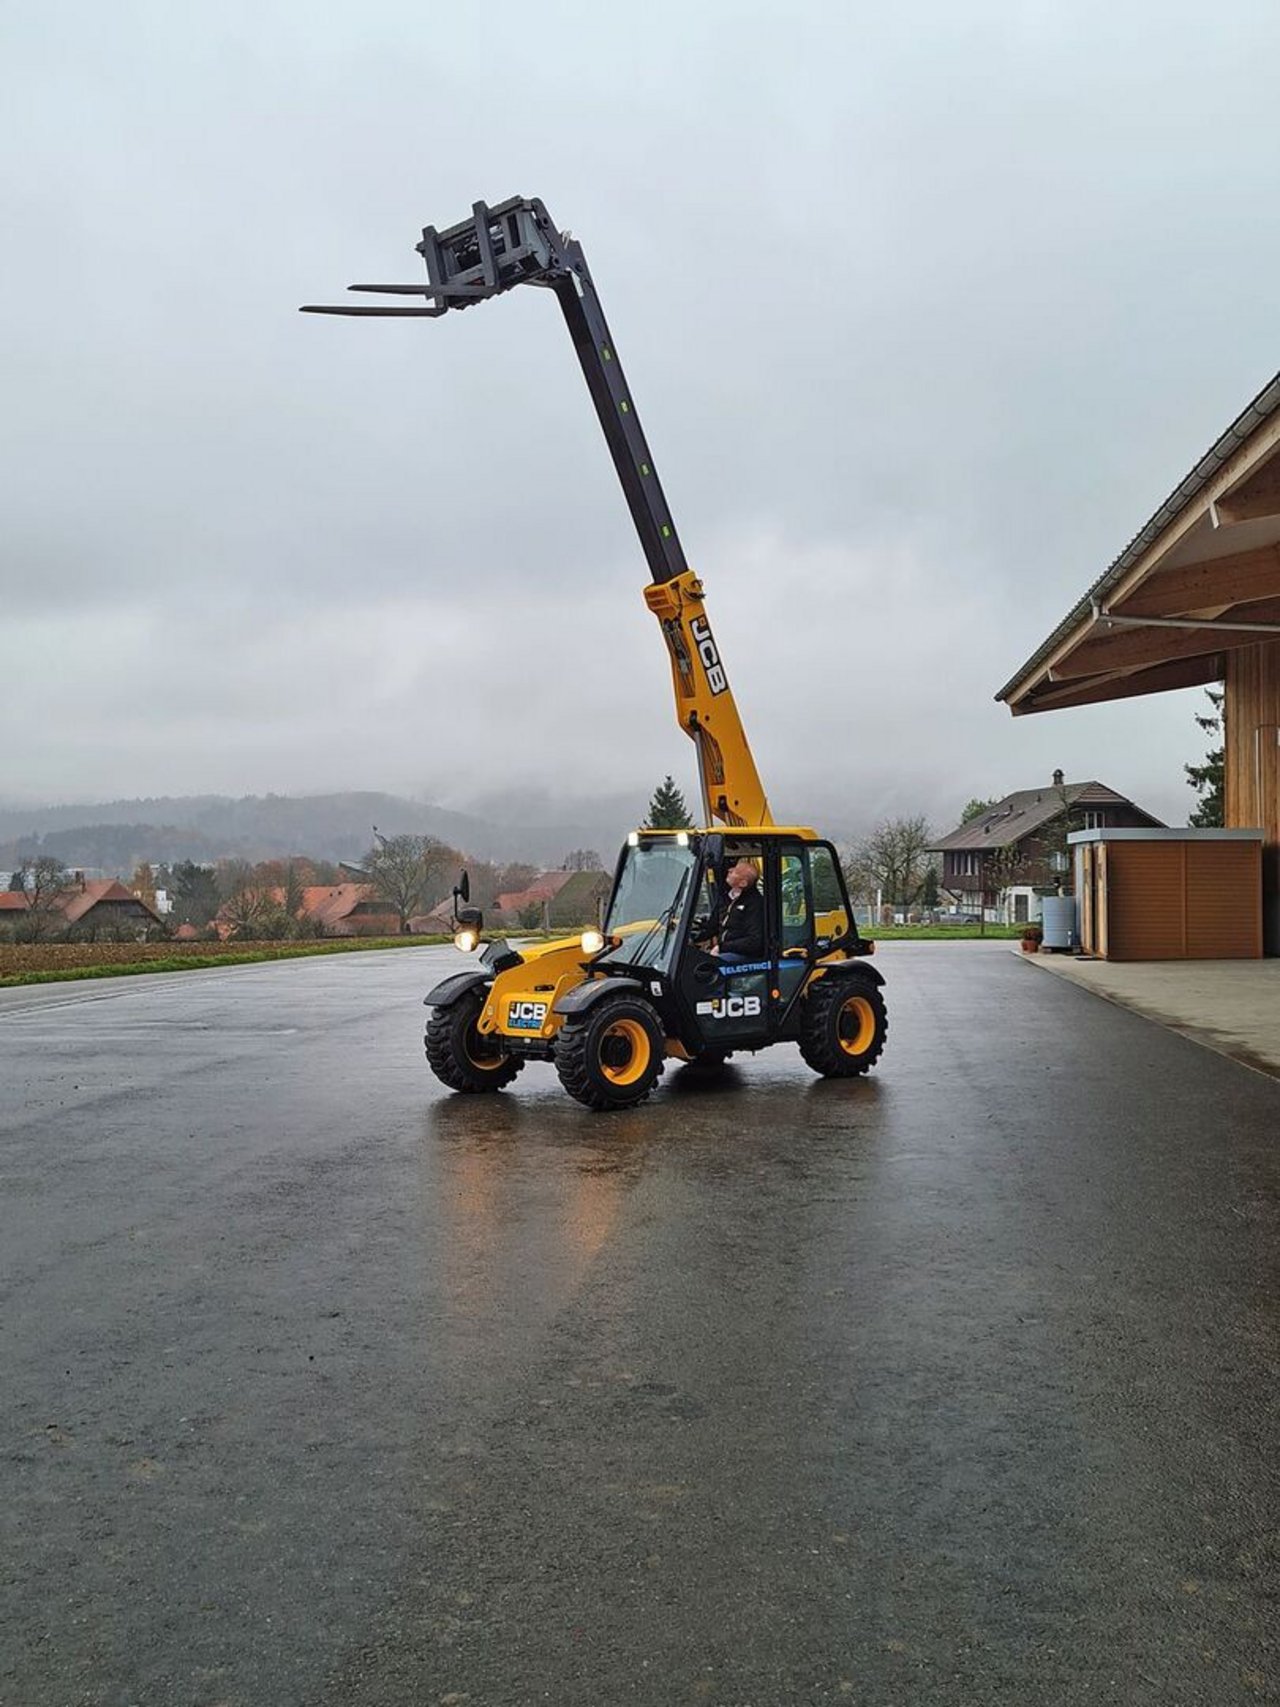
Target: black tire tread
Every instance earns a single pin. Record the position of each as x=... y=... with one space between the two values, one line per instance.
x=574 y=1067
x=441 y=1043
x=817 y=1039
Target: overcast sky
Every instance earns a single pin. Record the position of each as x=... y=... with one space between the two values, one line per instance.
x=925 y=310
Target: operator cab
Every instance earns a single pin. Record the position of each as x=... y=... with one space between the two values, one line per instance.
x=669 y=903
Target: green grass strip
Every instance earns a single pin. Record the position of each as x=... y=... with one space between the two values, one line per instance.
x=941 y=933
x=203 y=962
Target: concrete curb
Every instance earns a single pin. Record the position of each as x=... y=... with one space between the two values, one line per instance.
x=1240 y=1000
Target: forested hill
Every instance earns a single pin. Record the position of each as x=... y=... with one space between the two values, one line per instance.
x=207 y=827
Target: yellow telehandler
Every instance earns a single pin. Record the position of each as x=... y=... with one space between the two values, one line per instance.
x=655 y=983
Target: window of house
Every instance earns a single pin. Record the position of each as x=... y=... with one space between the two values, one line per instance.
x=1095 y=820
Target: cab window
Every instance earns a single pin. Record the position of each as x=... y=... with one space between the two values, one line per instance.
x=831 y=917
x=795 y=902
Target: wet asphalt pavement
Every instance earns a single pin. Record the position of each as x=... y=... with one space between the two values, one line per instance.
x=322 y=1387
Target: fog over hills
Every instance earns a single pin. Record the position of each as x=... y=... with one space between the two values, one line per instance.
x=208 y=827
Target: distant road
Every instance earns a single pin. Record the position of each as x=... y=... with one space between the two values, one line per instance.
x=322 y=1388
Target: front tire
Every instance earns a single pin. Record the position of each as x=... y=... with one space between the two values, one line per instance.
x=462 y=1057
x=614 y=1057
x=843 y=1030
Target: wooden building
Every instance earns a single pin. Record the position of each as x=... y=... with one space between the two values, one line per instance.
x=1194 y=599
x=1169 y=894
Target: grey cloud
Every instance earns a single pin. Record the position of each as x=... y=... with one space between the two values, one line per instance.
x=924 y=313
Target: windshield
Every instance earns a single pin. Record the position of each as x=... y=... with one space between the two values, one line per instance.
x=645 y=910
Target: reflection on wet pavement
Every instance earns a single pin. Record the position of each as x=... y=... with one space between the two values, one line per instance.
x=323 y=1386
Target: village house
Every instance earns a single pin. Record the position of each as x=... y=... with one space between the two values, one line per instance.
x=555 y=900
x=332 y=909
x=85 y=910
x=349 y=909
x=1000 y=864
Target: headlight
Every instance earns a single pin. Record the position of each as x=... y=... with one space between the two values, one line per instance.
x=467 y=940
x=592 y=942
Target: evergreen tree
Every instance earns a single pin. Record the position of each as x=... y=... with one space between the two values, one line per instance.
x=1207 y=779
x=667 y=809
x=196 y=897
x=975 y=809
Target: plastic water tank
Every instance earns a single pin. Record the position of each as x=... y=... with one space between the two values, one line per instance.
x=1058 y=919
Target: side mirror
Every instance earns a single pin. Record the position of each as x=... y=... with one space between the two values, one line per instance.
x=461 y=892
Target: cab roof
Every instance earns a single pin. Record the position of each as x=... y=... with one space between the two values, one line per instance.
x=739 y=832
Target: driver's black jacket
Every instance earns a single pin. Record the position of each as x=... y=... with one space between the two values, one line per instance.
x=742 y=925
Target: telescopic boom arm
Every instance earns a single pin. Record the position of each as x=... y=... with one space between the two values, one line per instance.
x=516 y=243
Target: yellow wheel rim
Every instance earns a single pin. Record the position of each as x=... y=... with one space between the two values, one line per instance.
x=627 y=1043
x=856 y=1026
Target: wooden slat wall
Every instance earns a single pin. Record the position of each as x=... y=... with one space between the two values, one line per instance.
x=1183 y=901
x=1145 y=914
x=1224 y=920
x=1252 y=741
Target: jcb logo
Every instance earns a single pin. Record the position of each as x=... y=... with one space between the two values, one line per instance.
x=526 y=1016
x=731 y=1007
x=700 y=628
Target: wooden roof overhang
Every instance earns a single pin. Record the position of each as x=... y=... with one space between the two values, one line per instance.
x=1199 y=580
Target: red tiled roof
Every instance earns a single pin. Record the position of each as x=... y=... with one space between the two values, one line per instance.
x=436 y=919
x=74 y=903
x=329 y=903
x=545 y=887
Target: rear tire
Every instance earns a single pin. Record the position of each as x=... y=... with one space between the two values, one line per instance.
x=462 y=1057
x=613 y=1058
x=843 y=1028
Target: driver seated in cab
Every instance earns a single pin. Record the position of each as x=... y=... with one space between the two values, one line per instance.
x=739 y=932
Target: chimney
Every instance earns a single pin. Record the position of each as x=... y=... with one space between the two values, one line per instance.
x=1057 y=779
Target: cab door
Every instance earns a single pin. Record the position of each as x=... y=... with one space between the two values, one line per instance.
x=728 y=1005
x=812 y=912
x=793 y=914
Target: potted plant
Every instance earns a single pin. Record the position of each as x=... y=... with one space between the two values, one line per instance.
x=1032 y=937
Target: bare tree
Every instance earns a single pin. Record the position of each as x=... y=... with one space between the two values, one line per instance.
x=402 y=870
x=1054 y=846
x=294 y=890
x=253 y=912
x=582 y=859
x=43 y=880
x=892 y=860
x=1001 y=869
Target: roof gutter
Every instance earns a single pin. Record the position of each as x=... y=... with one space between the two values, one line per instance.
x=1109 y=620
x=1263 y=407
